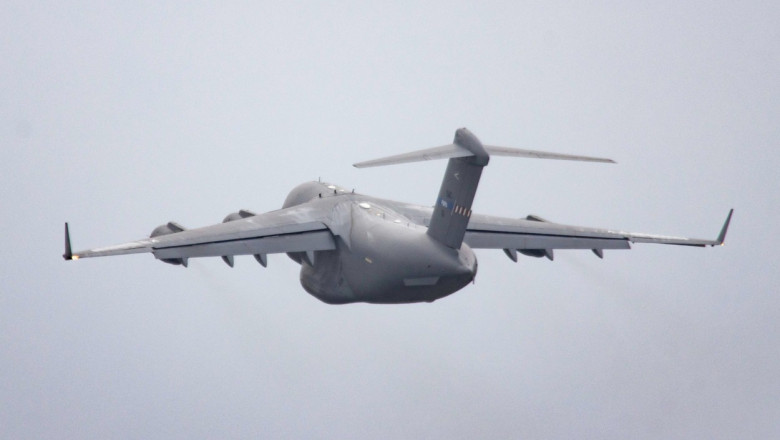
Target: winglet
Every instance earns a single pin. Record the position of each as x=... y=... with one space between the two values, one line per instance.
x=68 y=255
x=722 y=235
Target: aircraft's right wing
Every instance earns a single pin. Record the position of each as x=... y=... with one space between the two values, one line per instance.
x=536 y=236
x=295 y=229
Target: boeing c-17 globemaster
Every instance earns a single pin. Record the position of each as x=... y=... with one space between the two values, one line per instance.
x=357 y=248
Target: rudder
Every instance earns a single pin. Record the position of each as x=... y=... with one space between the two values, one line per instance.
x=452 y=210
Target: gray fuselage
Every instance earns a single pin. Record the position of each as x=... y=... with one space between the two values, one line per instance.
x=356 y=248
x=383 y=253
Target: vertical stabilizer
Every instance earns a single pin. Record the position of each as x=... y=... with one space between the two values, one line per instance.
x=452 y=210
x=467 y=156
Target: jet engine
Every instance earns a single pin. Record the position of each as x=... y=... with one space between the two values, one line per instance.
x=169 y=228
x=243 y=213
x=536 y=253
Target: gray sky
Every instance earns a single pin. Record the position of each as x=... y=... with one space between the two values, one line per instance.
x=119 y=118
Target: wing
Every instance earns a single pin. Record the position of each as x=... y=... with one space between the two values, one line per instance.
x=295 y=229
x=537 y=237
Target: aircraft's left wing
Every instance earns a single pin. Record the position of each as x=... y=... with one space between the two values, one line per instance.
x=538 y=237
x=295 y=229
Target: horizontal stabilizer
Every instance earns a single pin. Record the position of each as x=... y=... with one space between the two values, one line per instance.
x=452 y=151
x=448 y=151
x=517 y=152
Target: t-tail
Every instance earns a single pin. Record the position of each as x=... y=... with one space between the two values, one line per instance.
x=453 y=205
x=467 y=157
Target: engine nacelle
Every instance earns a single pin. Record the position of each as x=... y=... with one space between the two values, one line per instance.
x=536 y=253
x=243 y=213
x=166 y=229
x=232 y=217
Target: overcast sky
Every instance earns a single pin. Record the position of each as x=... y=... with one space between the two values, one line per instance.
x=118 y=118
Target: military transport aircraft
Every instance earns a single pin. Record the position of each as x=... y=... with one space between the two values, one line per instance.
x=357 y=248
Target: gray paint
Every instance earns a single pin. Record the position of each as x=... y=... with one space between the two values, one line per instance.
x=356 y=248
x=118 y=117
x=452 y=209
